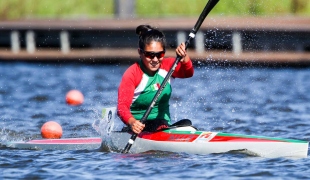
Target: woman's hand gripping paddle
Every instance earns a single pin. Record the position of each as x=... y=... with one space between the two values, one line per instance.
x=209 y=6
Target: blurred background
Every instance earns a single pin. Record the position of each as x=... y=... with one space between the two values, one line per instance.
x=275 y=31
x=70 y=9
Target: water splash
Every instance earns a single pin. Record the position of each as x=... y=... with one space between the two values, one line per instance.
x=105 y=125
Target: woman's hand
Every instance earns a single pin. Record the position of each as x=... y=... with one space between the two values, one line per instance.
x=181 y=51
x=135 y=125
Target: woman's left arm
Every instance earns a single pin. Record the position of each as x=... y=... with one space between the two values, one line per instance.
x=185 y=68
x=181 y=51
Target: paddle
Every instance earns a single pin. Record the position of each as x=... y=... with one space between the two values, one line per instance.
x=209 y=6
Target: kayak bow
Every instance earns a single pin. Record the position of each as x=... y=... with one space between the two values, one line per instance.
x=57 y=144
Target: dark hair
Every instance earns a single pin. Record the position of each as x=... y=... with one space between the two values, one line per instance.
x=147 y=34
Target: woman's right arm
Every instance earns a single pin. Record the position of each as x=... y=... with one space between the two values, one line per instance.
x=125 y=95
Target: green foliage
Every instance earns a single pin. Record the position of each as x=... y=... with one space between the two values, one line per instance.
x=164 y=8
x=21 y=9
x=16 y=9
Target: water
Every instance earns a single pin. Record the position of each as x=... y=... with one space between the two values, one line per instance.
x=256 y=101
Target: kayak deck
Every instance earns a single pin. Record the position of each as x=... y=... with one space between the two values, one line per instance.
x=181 y=139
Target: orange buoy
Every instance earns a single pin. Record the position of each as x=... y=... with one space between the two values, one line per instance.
x=51 y=130
x=74 y=98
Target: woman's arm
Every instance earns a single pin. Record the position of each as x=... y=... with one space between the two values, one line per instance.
x=185 y=68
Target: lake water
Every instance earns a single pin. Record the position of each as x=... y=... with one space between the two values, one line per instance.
x=256 y=101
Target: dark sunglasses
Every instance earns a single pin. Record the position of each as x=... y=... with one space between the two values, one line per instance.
x=151 y=54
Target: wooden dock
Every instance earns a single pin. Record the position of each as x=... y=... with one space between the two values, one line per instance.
x=128 y=55
x=227 y=40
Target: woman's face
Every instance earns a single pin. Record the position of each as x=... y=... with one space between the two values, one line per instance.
x=152 y=56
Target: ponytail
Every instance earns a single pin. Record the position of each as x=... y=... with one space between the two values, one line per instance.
x=147 y=34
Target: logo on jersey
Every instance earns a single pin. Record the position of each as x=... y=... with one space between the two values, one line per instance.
x=155 y=87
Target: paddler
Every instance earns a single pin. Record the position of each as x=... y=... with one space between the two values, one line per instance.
x=141 y=81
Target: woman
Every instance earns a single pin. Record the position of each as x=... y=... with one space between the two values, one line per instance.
x=141 y=81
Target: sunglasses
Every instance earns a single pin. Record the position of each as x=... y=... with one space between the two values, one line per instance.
x=151 y=54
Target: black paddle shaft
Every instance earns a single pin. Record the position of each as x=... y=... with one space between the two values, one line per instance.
x=209 y=6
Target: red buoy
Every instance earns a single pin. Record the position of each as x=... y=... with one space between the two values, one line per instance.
x=51 y=130
x=74 y=98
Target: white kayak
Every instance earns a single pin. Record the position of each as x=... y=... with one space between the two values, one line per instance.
x=58 y=144
x=176 y=139
x=189 y=140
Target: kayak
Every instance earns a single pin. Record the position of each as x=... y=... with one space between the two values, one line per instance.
x=190 y=140
x=178 y=139
x=185 y=139
x=58 y=144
